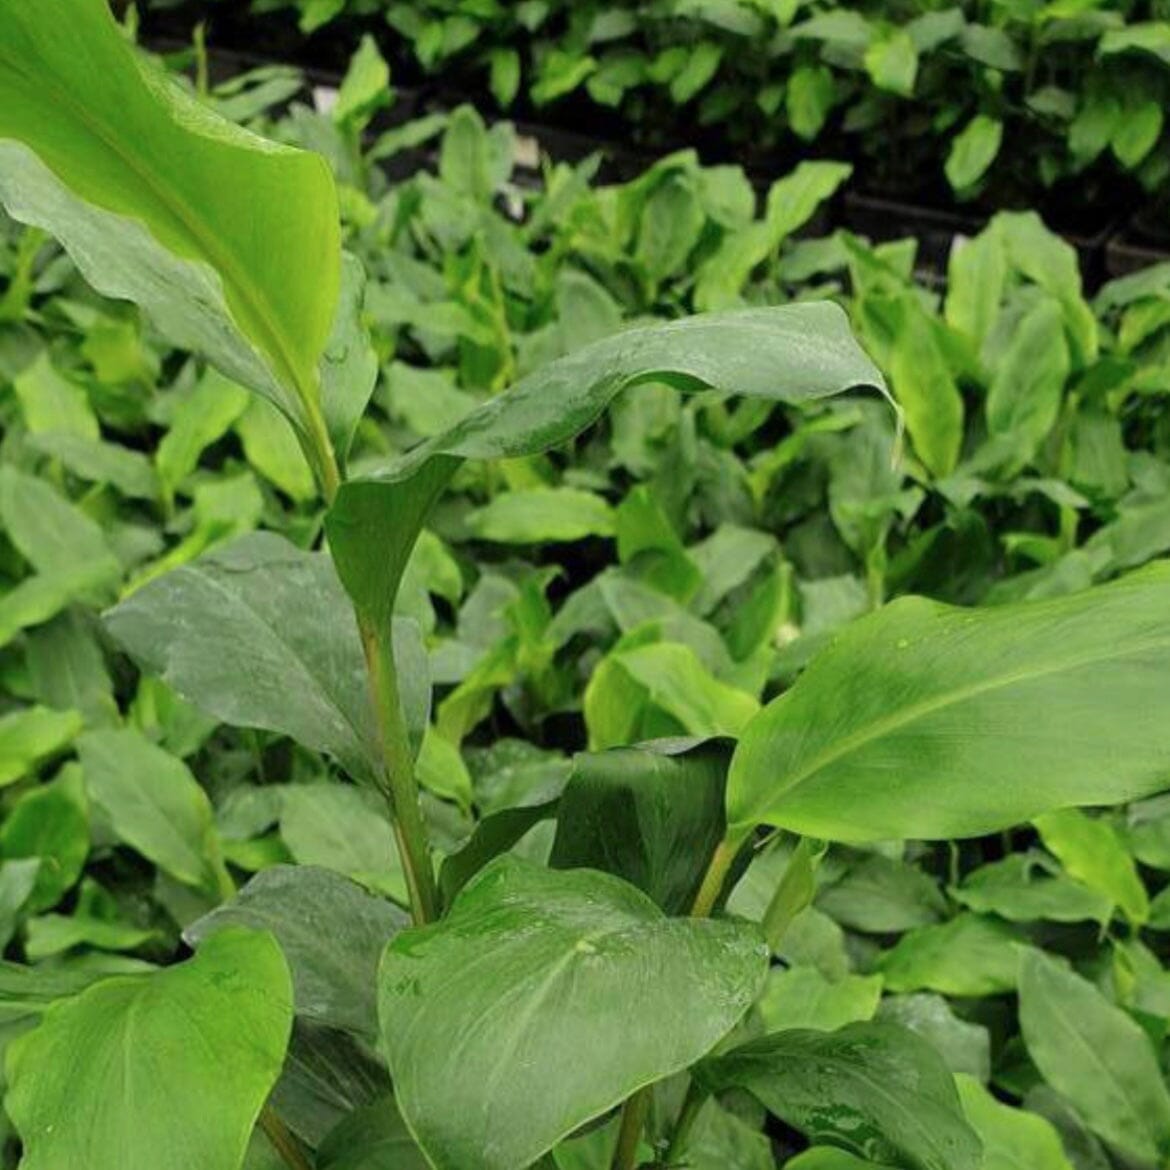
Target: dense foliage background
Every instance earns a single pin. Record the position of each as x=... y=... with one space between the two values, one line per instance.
x=668 y=572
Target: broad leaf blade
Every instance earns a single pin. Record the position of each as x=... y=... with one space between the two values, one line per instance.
x=931 y=721
x=790 y=354
x=98 y=1084
x=875 y=1090
x=232 y=243
x=544 y=999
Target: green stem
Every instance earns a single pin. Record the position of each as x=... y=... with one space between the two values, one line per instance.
x=692 y=1103
x=401 y=787
x=634 y=1113
x=716 y=875
x=283 y=1141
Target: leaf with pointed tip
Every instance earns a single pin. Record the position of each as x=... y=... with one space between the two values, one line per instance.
x=790 y=354
x=542 y=1000
x=98 y=1082
x=932 y=721
x=261 y=634
x=232 y=243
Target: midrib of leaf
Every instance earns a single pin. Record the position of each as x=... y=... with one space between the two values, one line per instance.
x=916 y=711
x=176 y=209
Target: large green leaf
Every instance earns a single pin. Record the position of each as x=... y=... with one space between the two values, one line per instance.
x=544 y=999
x=927 y=720
x=1013 y=1139
x=1096 y=1055
x=652 y=815
x=876 y=1090
x=331 y=932
x=164 y=1071
x=790 y=354
x=261 y=634
x=231 y=242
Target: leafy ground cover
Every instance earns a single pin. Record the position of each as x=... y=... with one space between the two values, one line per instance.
x=660 y=577
x=925 y=96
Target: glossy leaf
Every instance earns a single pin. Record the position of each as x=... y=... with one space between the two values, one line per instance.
x=921 y=720
x=1096 y=1055
x=791 y=354
x=652 y=815
x=532 y=966
x=232 y=243
x=332 y=934
x=875 y=1090
x=228 y=1011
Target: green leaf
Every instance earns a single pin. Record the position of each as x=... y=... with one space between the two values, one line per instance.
x=154 y=805
x=968 y=956
x=1137 y=133
x=373 y=1137
x=1030 y=887
x=1092 y=851
x=864 y=746
x=801 y=997
x=218 y=632
x=332 y=934
x=227 y=1011
x=51 y=403
x=232 y=243
x=349 y=365
x=651 y=815
x=1013 y=1139
x=875 y=1090
x=973 y=150
x=366 y=85
x=542 y=1000
x=50 y=822
x=1095 y=1055
x=965 y=1047
x=540 y=515
x=31 y=735
x=881 y=896
x=892 y=63
x=795 y=353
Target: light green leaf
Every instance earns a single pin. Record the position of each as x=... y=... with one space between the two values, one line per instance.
x=964 y=1047
x=1137 y=133
x=973 y=150
x=366 y=85
x=227 y=1011
x=154 y=804
x=968 y=956
x=332 y=934
x=51 y=403
x=1151 y=37
x=876 y=1090
x=271 y=448
x=1091 y=850
x=217 y=632
x=1095 y=1055
x=1013 y=1139
x=538 y=515
x=230 y=242
x=801 y=997
x=531 y=967
x=865 y=747
x=32 y=734
x=1030 y=887
x=796 y=353
x=892 y=63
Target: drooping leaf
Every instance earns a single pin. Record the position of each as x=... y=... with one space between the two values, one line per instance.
x=332 y=934
x=227 y=1011
x=531 y=965
x=1096 y=1055
x=875 y=1090
x=221 y=632
x=873 y=741
x=795 y=353
x=232 y=243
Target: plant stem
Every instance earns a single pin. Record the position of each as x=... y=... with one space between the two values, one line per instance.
x=401 y=787
x=692 y=1103
x=715 y=876
x=634 y=1113
x=283 y=1141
